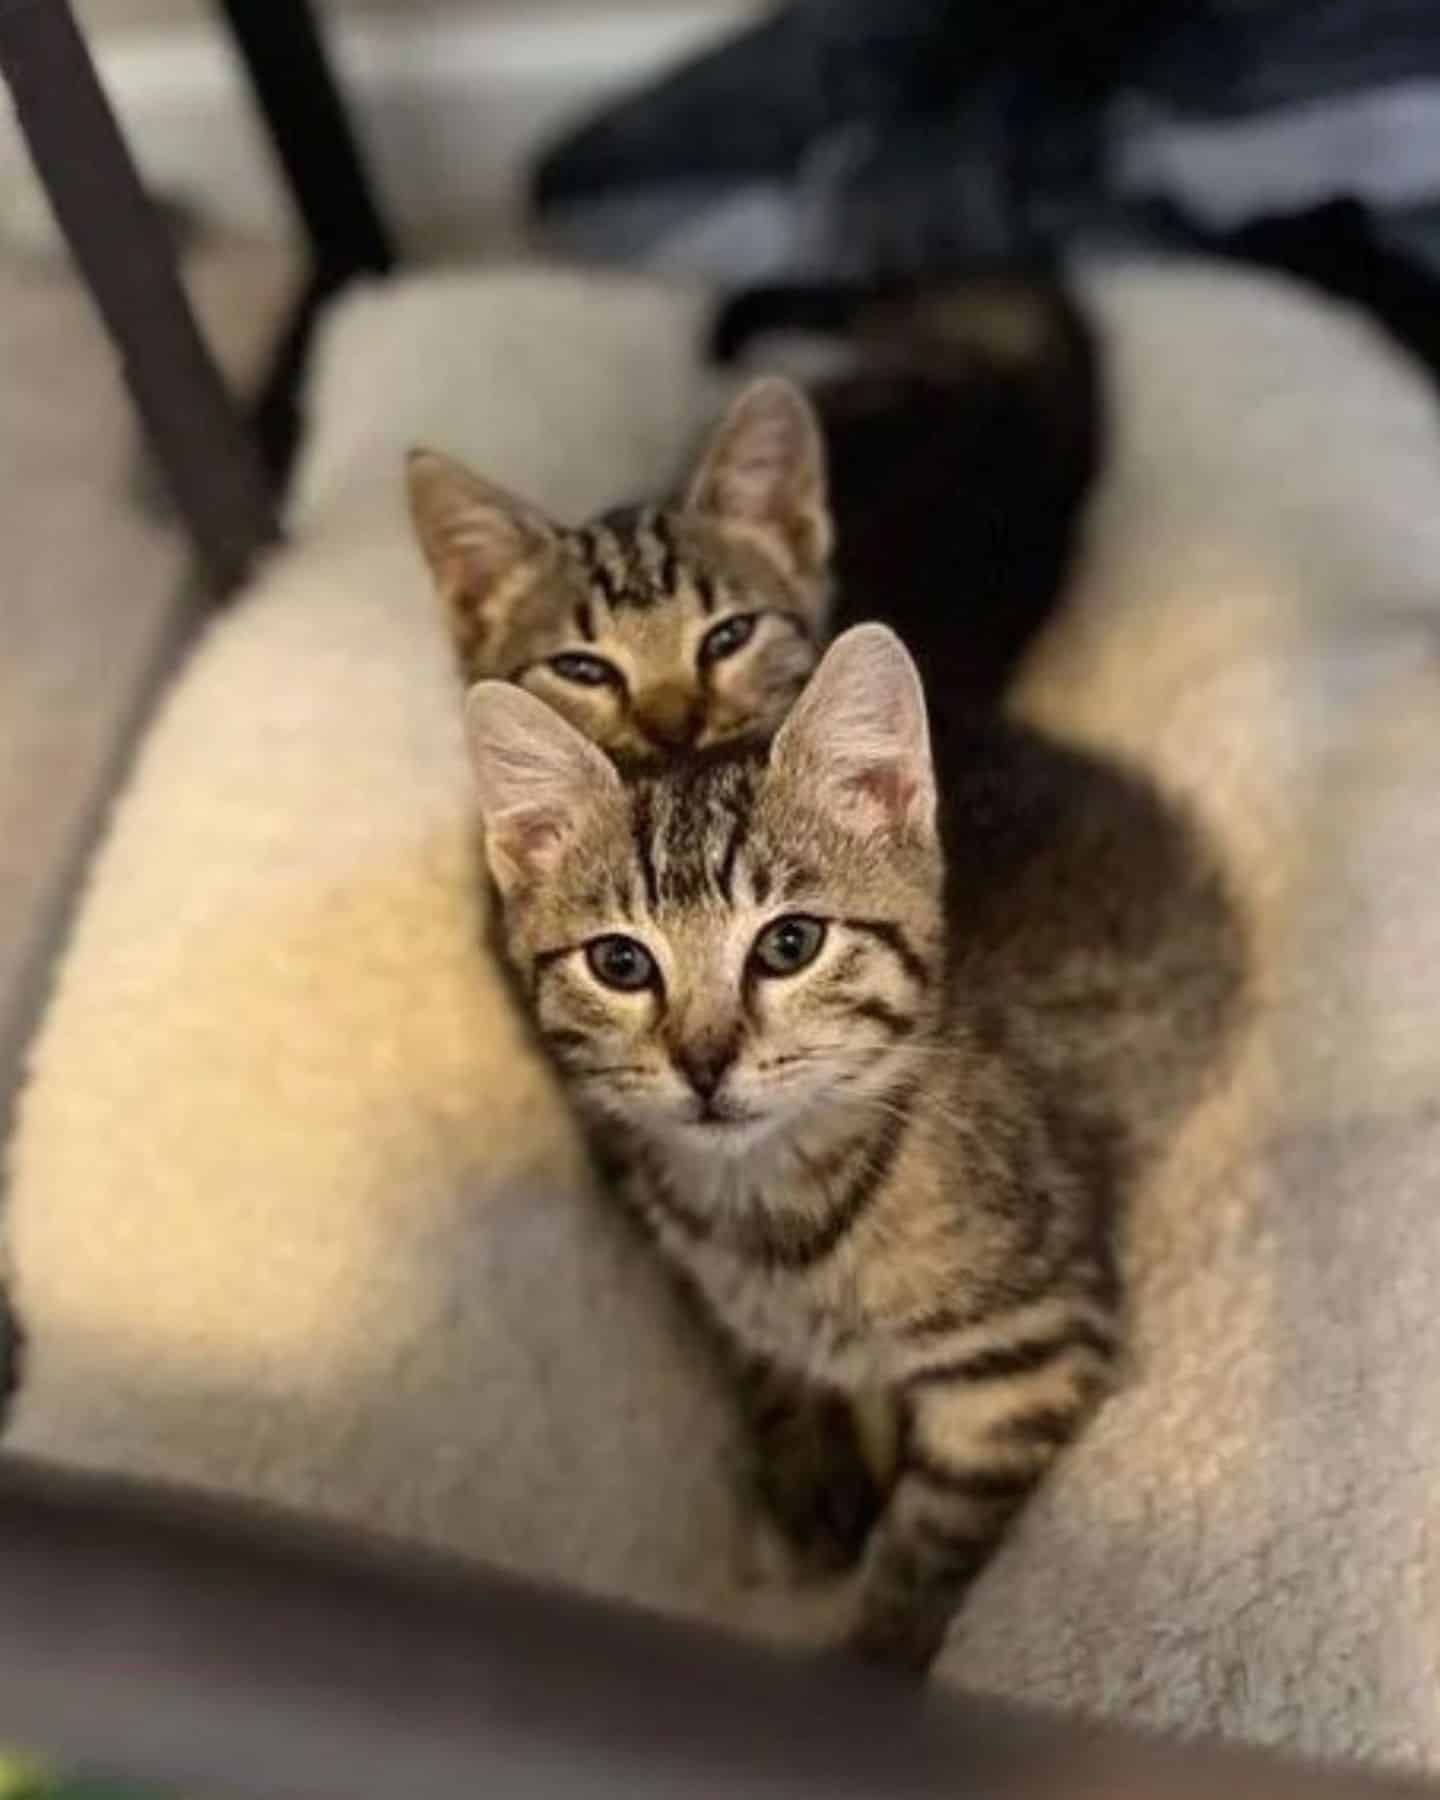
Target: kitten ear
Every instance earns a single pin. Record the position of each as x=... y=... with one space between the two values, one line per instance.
x=475 y=537
x=857 y=739
x=763 y=473
x=539 y=779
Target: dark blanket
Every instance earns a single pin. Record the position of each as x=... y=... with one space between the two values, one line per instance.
x=893 y=137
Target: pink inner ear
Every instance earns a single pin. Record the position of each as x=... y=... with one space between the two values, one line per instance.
x=527 y=834
x=751 y=489
x=886 y=785
x=755 y=475
x=759 y=491
x=485 y=547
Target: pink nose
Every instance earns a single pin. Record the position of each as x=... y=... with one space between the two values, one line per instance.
x=669 y=717
x=705 y=1066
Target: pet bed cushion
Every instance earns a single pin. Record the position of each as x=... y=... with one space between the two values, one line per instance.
x=294 y=1213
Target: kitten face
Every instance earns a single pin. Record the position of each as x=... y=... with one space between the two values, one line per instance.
x=657 y=629
x=651 y=632
x=717 y=951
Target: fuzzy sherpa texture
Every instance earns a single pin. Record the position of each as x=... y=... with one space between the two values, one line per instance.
x=296 y=1214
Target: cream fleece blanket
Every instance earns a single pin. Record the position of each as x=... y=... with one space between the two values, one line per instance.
x=295 y=1214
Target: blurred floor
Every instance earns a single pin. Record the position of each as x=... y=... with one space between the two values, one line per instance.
x=92 y=588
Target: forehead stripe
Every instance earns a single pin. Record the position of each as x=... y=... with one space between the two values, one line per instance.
x=668 y=571
x=619 y=554
x=643 y=825
x=725 y=871
x=598 y=570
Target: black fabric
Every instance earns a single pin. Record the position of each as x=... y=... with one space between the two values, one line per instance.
x=759 y=103
x=914 y=133
x=1232 y=57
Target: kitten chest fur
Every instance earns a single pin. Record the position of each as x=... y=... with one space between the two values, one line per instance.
x=858 y=1250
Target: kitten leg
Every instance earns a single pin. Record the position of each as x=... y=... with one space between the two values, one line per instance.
x=818 y=1462
x=810 y=1471
x=977 y=1439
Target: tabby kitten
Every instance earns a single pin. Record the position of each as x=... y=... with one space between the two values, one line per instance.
x=652 y=629
x=877 y=1117
x=962 y=443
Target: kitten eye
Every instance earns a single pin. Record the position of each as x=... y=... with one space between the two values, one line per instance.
x=587 y=671
x=788 y=946
x=727 y=637
x=621 y=962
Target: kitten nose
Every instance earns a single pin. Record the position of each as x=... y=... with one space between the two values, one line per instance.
x=705 y=1066
x=669 y=717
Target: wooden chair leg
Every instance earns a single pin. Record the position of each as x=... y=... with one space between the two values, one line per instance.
x=296 y=91
x=220 y=486
x=304 y=112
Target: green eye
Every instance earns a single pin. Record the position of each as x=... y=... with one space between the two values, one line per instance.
x=727 y=637
x=621 y=962
x=586 y=671
x=788 y=945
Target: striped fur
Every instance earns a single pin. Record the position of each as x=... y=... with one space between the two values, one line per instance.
x=652 y=629
x=897 y=1170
